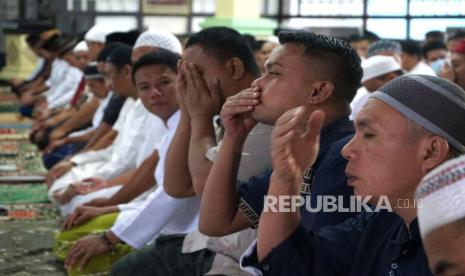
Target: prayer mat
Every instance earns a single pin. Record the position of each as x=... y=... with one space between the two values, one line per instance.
x=17 y=148
x=24 y=126
x=5 y=89
x=13 y=117
x=22 y=169
x=23 y=193
x=15 y=131
x=9 y=106
x=20 y=161
x=8 y=97
x=36 y=212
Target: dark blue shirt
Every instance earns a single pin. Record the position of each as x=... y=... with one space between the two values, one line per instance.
x=111 y=112
x=325 y=177
x=370 y=244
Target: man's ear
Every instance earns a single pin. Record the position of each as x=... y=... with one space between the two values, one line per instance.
x=127 y=71
x=236 y=68
x=434 y=150
x=390 y=76
x=320 y=92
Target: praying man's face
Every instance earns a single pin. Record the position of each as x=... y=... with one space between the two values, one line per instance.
x=383 y=157
x=285 y=84
x=445 y=249
x=210 y=67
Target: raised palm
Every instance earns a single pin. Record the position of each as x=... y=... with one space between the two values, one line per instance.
x=295 y=143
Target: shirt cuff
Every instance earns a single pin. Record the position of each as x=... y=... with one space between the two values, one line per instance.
x=249 y=213
x=286 y=258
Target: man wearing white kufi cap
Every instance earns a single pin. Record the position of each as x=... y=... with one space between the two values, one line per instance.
x=148 y=45
x=150 y=41
x=95 y=39
x=161 y=39
x=407 y=128
x=441 y=216
x=377 y=71
x=147 y=42
x=81 y=54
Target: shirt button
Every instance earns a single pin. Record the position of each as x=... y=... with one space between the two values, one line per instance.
x=394 y=265
x=266 y=267
x=391 y=273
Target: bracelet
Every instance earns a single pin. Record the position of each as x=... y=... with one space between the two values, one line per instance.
x=107 y=241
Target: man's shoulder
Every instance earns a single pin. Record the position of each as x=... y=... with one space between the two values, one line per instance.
x=332 y=155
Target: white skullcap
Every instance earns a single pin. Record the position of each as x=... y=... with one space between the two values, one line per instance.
x=160 y=39
x=273 y=39
x=376 y=66
x=97 y=33
x=441 y=196
x=81 y=46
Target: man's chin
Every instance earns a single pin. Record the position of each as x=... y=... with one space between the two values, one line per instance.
x=260 y=116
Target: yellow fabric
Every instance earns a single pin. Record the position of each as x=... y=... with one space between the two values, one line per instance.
x=98 y=265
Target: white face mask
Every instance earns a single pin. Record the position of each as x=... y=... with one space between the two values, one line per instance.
x=437 y=65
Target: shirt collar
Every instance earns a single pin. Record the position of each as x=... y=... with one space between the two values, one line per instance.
x=173 y=120
x=405 y=241
x=334 y=131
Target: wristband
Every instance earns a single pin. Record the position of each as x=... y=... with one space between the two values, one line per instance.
x=107 y=241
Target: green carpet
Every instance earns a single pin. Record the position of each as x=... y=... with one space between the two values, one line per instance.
x=9 y=107
x=23 y=193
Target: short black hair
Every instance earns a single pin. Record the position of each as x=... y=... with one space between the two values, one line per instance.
x=411 y=47
x=250 y=39
x=129 y=38
x=366 y=35
x=335 y=58
x=257 y=46
x=120 y=56
x=32 y=39
x=160 y=56
x=225 y=43
x=433 y=45
x=106 y=51
x=457 y=35
x=435 y=35
x=52 y=43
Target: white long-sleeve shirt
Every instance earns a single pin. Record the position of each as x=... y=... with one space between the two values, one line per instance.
x=118 y=158
x=159 y=214
x=62 y=94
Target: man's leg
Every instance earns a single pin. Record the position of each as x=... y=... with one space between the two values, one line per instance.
x=165 y=258
x=65 y=239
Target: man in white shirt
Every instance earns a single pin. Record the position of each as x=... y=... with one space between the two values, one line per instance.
x=74 y=141
x=121 y=156
x=377 y=71
x=137 y=224
x=145 y=160
x=411 y=59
